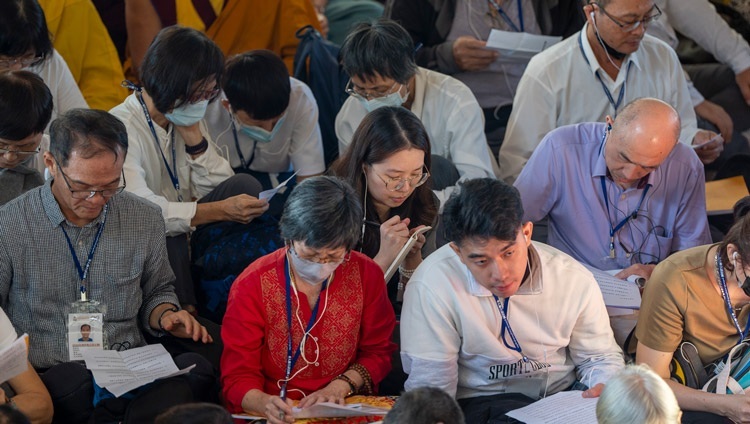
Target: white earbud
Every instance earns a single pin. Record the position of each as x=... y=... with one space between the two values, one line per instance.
x=592 y=15
x=526 y=238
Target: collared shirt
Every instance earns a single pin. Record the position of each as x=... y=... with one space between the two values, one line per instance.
x=65 y=93
x=451 y=116
x=560 y=88
x=451 y=326
x=562 y=181
x=297 y=146
x=148 y=177
x=129 y=274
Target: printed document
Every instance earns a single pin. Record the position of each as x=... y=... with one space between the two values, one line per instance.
x=560 y=408
x=14 y=359
x=616 y=292
x=519 y=44
x=327 y=410
x=121 y=372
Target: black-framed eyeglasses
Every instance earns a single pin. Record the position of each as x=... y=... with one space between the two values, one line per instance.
x=89 y=194
x=396 y=184
x=20 y=153
x=355 y=91
x=202 y=95
x=24 y=61
x=631 y=26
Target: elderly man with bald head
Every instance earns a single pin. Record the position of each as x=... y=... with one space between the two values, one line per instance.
x=623 y=194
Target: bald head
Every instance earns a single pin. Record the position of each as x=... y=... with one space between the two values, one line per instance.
x=642 y=136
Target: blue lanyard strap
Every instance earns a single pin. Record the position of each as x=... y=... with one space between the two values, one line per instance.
x=172 y=174
x=507 y=19
x=245 y=164
x=291 y=359
x=615 y=104
x=614 y=229
x=727 y=302
x=83 y=272
x=503 y=308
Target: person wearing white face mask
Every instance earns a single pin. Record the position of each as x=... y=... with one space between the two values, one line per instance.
x=379 y=59
x=173 y=161
x=266 y=122
x=312 y=320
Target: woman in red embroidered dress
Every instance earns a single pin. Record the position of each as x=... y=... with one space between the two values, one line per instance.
x=333 y=300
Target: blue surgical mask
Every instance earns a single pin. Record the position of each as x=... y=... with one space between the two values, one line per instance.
x=394 y=100
x=312 y=272
x=187 y=114
x=260 y=134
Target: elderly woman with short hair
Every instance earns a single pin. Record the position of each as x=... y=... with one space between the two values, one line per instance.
x=311 y=320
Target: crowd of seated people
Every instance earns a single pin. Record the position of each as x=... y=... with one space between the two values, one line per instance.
x=489 y=185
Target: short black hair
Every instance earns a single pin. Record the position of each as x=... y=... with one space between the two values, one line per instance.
x=10 y=415
x=25 y=105
x=425 y=405
x=88 y=132
x=23 y=28
x=381 y=48
x=85 y=325
x=178 y=58
x=483 y=208
x=257 y=82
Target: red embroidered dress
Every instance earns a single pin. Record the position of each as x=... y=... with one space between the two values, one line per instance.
x=354 y=326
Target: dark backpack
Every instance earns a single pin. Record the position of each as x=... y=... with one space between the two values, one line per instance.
x=317 y=64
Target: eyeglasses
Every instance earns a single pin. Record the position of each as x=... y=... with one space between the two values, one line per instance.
x=24 y=61
x=327 y=260
x=396 y=184
x=89 y=194
x=202 y=95
x=352 y=90
x=20 y=153
x=631 y=26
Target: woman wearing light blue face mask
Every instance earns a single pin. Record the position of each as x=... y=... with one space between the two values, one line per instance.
x=172 y=160
x=266 y=122
x=312 y=320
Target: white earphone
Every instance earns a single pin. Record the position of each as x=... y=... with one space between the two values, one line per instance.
x=592 y=15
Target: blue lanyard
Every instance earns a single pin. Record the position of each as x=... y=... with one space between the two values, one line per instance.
x=506 y=18
x=83 y=272
x=172 y=174
x=506 y=327
x=614 y=229
x=727 y=302
x=292 y=359
x=245 y=164
x=615 y=105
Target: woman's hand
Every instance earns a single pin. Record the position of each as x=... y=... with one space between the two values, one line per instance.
x=278 y=411
x=417 y=248
x=393 y=235
x=334 y=392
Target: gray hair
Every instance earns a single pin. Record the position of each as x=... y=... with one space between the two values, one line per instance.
x=323 y=212
x=381 y=48
x=89 y=132
x=637 y=395
x=425 y=405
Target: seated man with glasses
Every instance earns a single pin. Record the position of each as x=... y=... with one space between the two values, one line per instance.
x=25 y=110
x=594 y=73
x=379 y=58
x=78 y=243
x=173 y=160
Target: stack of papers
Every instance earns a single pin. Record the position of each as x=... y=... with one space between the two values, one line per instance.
x=617 y=293
x=560 y=408
x=121 y=372
x=13 y=359
x=328 y=410
x=519 y=44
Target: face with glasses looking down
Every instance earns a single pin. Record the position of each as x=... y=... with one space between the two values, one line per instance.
x=621 y=24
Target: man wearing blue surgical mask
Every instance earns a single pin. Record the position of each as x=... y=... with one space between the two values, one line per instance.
x=266 y=123
x=173 y=161
x=379 y=59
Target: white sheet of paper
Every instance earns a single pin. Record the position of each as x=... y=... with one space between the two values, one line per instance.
x=247 y=417
x=268 y=194
x=519 y=44
x=616 y=292
x=120 y=372
x=560 y=408
x=14 y=359
x=334 y=410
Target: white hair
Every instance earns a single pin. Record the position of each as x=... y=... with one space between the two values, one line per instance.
x=637 y=395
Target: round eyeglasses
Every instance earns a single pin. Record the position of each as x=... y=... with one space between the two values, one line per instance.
x=396 y=184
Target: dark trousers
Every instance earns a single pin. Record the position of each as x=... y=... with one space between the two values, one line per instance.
x=492 y=409
x=443 y=173
x=178 y=247
x=71 y=387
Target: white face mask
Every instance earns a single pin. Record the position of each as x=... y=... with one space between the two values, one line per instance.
x=258 y=133
x=187 y=114
x=312 y=272
x=394 y=100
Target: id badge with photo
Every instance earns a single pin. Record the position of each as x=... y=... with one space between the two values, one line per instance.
x=85 y=328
